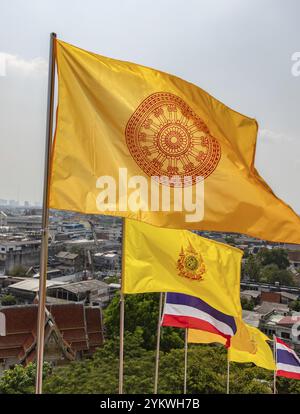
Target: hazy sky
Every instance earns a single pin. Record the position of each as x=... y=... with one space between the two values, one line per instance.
x=240 y=51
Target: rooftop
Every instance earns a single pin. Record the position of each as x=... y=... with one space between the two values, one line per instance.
x=32 y=285
x=84 y=286
x=20 y=243
x=294 y=255
x=289 y=320
x=75 y=327
x=290 y=296
x=274 y=319
x=252 y=293
x=267 y=307
x=251 y=318
x=67 y=255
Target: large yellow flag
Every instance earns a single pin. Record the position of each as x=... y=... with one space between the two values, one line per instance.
x=241 y=342
x=119 y=124
x=166 y=260
x=262 y=356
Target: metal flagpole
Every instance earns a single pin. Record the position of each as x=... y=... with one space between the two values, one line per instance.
x=275 y=359
x=122 y=312
x=158 y=342
x=228 y=373
x=185 y=359
x=45 y=221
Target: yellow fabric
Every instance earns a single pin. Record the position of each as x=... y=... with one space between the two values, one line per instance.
x=98 y=96
x=263 y=355
x=196 y=336
x=241 y=341
x=150 y=264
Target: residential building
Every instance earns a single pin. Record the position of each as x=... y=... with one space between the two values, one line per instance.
x=25 y=223
x=68 y=261
x=24 y=253
x=89 y=291
x=294 y=258
x=285 y=327
x=107 y=260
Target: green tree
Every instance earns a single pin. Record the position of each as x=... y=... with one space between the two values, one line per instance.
x=21 y=380
x=100 y=373
x=8 y=300
x=206 y=371
x=274 y=256
x=247 y=304
x=295 y=305
x=250 y=379
x=141 y=311
x=112 y=279
x=287 y=386
x=284 y=277
x=252 y=268
x=267 y=272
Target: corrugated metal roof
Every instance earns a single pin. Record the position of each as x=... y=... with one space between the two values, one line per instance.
x=85 y=286
x=32 y=285
x=289 y=295
x=67 y=255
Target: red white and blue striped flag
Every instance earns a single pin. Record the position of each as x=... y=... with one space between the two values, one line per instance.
x=287 y=361
x=185 y=311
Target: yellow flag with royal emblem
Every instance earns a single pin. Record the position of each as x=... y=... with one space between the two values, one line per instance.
x=262 y=355
x=166 y=260
x=139 y=143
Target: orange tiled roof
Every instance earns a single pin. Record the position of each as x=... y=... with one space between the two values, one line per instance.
x=79 y=329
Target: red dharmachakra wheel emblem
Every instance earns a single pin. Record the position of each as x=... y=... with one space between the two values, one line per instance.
x=167 y=138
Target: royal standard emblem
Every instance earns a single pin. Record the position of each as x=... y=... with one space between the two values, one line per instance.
x=254 y=344
x=190 y=264
x=167 y=138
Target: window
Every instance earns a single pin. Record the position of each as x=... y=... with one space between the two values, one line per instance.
x=285 y=335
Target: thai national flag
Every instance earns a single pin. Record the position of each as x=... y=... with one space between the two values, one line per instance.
x=287 y=361
x=185 y=311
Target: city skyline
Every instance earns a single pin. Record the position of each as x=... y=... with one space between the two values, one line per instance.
x=251 y=72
